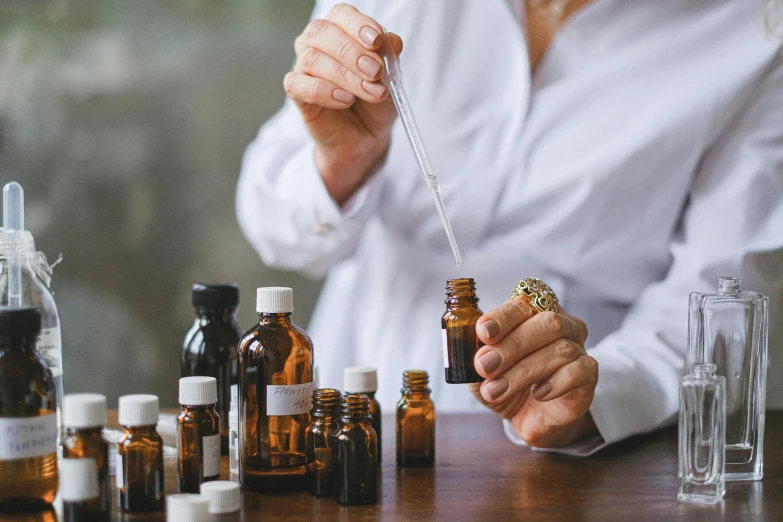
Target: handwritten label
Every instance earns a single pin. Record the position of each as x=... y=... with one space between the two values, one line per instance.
x=211 y=448
x=289 y=399
x=26 y=437
x=49 y=345
x=79 y=480
x=120 y=472
x=445 y=347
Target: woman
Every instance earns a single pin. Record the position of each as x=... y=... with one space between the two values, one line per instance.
x=626 y=153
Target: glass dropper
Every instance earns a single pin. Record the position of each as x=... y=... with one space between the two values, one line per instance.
x=13 y=221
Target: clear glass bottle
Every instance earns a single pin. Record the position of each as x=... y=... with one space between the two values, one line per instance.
x=355 y=447
x=28 y=422
x=364 y=379
x=415 y=421
x=318 y=438
x=198 y=433
x=702 y=436
x=210 y=347
x=460 y=341
x=728 y=328
x=275 y=396
x=233 y=431
x=86 y=491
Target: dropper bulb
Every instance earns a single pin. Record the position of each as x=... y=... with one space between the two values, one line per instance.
x=13 y=206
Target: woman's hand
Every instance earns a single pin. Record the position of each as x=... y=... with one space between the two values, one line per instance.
x=336 y=84
x=538 y=375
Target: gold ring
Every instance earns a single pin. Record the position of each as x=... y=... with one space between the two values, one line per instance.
x=539 y=294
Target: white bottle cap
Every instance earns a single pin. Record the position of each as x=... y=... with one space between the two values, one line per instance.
x=139 y=410
x=223 y=496
x=187 y=507
x=274 y=300
x=234 y=397
x=197 y=391
x=316 y=376
x=84 y=410
x=360 y=379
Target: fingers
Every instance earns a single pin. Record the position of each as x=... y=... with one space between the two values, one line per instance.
x=361 y=27
x=305 y=89
x=320 y=65
x=578 y=374
x=496 y=324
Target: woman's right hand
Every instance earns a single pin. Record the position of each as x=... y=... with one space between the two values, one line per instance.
x=336 y=85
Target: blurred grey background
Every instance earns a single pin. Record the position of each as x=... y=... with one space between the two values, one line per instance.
x=125 y=122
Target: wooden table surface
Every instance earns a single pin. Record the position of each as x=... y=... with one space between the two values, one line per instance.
x=480 y=475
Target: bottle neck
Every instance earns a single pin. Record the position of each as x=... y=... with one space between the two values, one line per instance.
x=460 y=293
x=728 y=285
x=704 y=371
x=91 y=432
x=415 y=382
x=285 y=319
x=142 y=431
x=325 y=403
x=225 y=315
x=354 y=408
x=201 y=407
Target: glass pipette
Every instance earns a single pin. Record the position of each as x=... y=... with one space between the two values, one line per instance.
x=392 y=78
x=13 y=221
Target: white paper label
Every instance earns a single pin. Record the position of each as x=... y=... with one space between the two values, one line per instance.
x=211 y=447
x=25 y=437
x=289 y=399
x=49 y=345
x=445 y=347
x=120 y=472
x=79 y=480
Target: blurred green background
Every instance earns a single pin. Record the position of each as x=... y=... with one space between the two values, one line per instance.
x=125 y=122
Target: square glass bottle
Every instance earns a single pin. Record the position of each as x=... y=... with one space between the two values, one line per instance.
x=729 y=329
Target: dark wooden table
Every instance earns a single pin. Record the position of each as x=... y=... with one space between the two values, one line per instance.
x=481 y=476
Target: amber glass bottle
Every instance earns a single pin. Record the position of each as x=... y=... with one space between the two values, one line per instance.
x=140 y=455
x=210 y=347
x=415 y=421
x=86 y=491
x=275 y=397
x=364 y=379
x=323 y=424
x=460 y=342
x=198 y=434
x=28 y=424
x=355 y=453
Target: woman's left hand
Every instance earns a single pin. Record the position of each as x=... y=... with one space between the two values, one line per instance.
x=538 y=375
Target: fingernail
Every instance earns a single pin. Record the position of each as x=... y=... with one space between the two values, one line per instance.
x=375 y=89
x=496 y=388
x=369 y=66
x=490 y=361
x=539 y=391
x=342 y=96
x=368 y=35
x=491 y=328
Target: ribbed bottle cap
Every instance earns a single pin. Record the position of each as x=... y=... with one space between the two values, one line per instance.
x=187 y=507
x=223 y=496
x=197 y=391
x=84 y=410
x=360 y=379
x=274 y=300
x=139 y=410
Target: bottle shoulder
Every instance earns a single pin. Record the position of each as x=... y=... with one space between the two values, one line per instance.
x=275 y=337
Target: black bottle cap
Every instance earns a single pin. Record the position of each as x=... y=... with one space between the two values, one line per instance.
x=19 y=321
x=215 y=296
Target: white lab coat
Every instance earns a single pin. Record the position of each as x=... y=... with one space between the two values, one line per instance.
x=641 y=161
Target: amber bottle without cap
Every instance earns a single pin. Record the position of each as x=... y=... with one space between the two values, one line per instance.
x=28 y=424
x=86 y=491
x=460 y=342
x=355 y=453
x=364 y=379
x=198 y=434
x=275 y=396
x=415 y=421
x=140 y=455
x=318 y=438
x=210 y=347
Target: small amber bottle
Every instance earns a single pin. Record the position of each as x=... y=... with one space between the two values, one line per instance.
x=364 y=379
x=210 y=347
x=140 y=455
x=355 y=453
x=323 y=424
x=415 y=421
x=28 y=423
x=460 y=342
x=275 y=396
x=86 y=491
x=198 y=434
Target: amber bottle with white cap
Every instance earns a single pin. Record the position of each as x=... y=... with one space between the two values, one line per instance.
x=140 y=455
x=85 y=490
x=198 y=433
x=364 y=379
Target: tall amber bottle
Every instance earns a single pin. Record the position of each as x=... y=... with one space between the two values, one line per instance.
x=460 y=342
x=140 y=455
x=86 y=491
x=415 y=421
x=198 y=434
x=355 y=453
x=210 y=347
x=318 y=437
x=364 y=379
x=276 y=387
x=28 y=424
